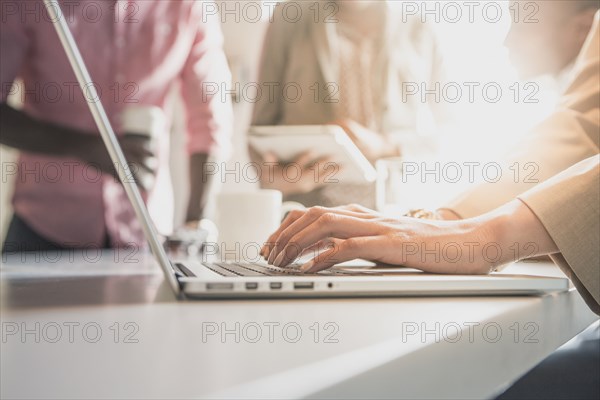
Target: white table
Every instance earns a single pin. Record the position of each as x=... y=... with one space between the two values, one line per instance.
x=124 y=336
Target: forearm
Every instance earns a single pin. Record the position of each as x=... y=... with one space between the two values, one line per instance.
x=517 y=232
x=22 y=132
x=200 y=184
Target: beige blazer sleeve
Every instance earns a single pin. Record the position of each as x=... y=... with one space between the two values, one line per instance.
x=267 y=110
x=296 y=72
x=568 y=206
x=569 y=135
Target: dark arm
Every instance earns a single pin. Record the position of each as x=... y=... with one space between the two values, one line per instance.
x=200 y=184
x=25 y=133
x=20 y=131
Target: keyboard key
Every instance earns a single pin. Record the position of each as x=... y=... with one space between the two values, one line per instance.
x=220 y=270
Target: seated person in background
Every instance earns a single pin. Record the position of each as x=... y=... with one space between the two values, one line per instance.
x=133 y=65
x=350 y=68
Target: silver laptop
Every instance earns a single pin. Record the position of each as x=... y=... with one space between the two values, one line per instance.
x=195 y=279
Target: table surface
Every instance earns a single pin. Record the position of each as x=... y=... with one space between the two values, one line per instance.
x=79 y=325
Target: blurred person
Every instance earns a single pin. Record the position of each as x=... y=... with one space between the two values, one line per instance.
x=547 y=36
x=549 y=46
x=542 y=45
x=552 y=46
x=135 y=53
x=350 y=61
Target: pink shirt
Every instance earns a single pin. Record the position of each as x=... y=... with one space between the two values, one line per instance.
x=135 y=51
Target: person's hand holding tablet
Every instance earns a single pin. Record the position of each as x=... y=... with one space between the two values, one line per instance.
x=301 y=175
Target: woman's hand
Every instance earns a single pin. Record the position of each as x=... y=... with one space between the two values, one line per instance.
x=349 y=232
x=474 y=246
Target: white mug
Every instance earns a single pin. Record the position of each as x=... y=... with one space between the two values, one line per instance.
x=148 y=121
x=246 y=220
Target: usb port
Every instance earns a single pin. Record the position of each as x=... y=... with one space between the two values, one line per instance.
x=251 y=285
x=304 y=285
x=275 y=285
x=219 y=286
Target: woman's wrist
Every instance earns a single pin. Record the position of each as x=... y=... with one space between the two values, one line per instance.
x=516 y=233
x=447 y=214
x=478 y=238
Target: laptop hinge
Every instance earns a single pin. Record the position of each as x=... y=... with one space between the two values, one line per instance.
x=181 y=271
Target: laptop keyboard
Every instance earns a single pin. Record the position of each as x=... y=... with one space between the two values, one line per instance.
x=230 y=269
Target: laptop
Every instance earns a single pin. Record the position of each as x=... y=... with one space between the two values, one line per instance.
x=226 y=279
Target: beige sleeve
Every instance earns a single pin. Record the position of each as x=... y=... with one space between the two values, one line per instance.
x=569 y=135
x=568 y=206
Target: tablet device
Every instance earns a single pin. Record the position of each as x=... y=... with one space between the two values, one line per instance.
x=347 y=163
